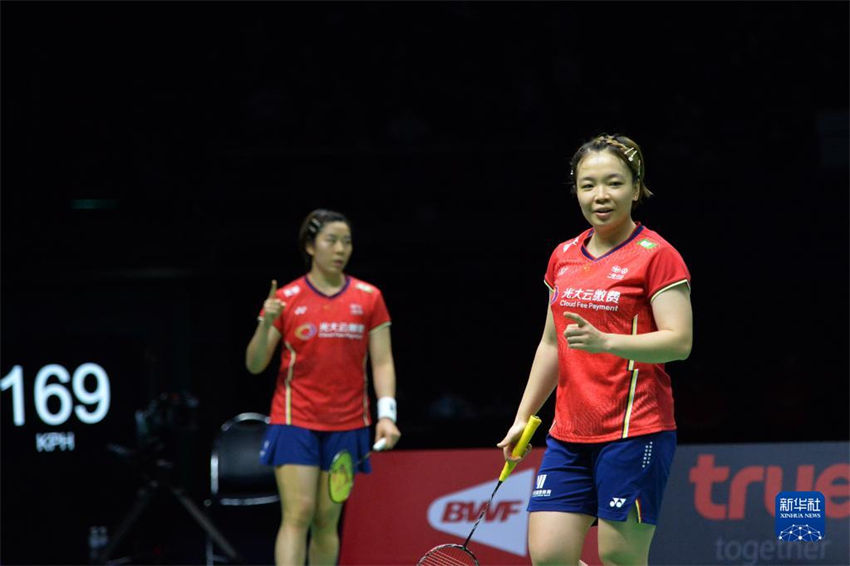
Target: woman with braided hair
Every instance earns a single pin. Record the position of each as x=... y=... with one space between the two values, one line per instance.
x=329 y=323
x=619 y=309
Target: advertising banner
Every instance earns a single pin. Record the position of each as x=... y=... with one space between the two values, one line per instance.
x=724 y=504
x=721 y=505
x=414 y=500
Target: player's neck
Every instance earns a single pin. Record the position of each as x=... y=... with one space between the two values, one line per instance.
x=602 y=242
x=327 y=283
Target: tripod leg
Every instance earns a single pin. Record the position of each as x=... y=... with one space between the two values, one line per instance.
x=204 y=521
x=143 y=499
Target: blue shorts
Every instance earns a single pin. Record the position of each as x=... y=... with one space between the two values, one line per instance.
x=605 y=480
x=287 y=444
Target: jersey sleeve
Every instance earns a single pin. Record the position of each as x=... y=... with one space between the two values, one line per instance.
x=549 y=276
x=666 y=269
x=380 y=316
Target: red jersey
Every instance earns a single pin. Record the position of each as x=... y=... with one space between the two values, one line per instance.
x=603 y=397
x=322 y=383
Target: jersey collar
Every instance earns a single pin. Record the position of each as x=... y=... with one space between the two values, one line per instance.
x=320 y=293
x=638 y=229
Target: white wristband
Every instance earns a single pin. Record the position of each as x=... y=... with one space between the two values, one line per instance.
x=387 y=408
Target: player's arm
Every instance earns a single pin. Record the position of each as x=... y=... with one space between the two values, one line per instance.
x=261 y=347
x=672 y=341
x=266 y=335
x=542 y=380
x=384 y=382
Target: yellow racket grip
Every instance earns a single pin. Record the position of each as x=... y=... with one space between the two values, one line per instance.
x=519 y=449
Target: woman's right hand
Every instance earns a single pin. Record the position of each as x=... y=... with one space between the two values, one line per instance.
x=511 y=438
x=272 y=307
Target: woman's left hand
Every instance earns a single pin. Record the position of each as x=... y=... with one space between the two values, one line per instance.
x=584 y=336
x=387 y=429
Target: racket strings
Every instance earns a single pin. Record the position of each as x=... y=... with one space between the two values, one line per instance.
x=448 y=555
x=340 y=477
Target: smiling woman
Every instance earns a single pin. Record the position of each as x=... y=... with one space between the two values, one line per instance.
x=609 y=185
x=619 y=309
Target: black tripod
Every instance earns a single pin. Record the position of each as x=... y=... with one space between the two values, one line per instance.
x=145 y=495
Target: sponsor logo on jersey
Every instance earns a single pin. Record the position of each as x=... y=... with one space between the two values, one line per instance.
x=504 y=523
x=291 y=291
x=306 y=331
x=647 y=244
x=618 y=272
x=355 y=308
x=349 y=330
x=617 y=502
x=568 y=244
x=594 y=299
x=300 y=310
x=365 y=287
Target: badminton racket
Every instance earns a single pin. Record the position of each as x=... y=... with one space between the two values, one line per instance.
x=460 y=555
x=341 y=472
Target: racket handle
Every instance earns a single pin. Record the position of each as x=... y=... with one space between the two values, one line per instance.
x=519 y=449
x=380 y=445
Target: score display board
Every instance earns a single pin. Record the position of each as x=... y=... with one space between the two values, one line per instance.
x=63 y=402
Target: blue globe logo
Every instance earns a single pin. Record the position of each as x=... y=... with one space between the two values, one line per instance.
x=800 y=533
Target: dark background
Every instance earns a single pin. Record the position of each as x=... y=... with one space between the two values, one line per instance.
x=159 y=157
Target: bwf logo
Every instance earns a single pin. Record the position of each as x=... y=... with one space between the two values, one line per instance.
x=504 y=524
x=617 y=502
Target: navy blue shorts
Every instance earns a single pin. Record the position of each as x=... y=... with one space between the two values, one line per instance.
x=606 y=479
x=287 y=444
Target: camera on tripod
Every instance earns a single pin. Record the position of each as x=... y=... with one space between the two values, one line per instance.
x=159 y=428
x=159 y=425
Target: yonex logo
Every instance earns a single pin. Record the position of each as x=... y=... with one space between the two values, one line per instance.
x=300 y=310
x=617 y=502
x=291 y=291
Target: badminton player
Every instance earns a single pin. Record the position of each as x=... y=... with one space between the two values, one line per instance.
x=329 y=324
x=619 y=309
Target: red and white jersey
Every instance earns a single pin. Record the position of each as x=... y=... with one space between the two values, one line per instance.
x=322 y=383
x=603 y=397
